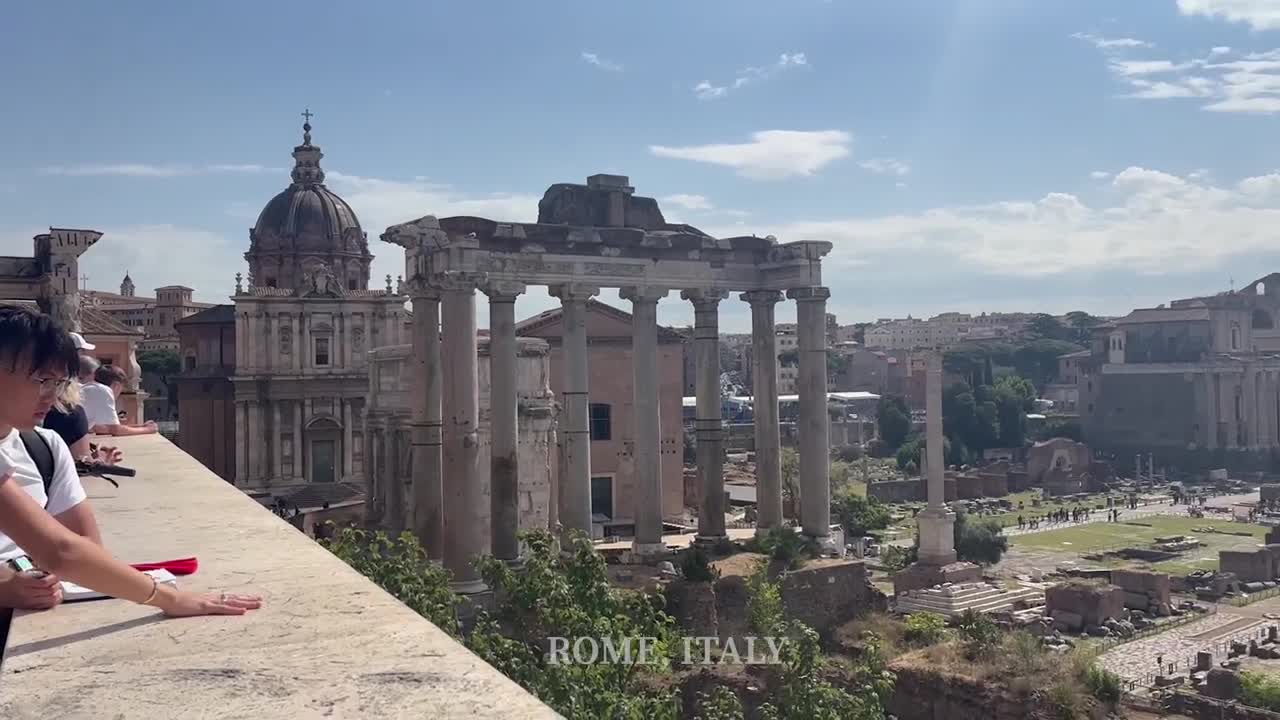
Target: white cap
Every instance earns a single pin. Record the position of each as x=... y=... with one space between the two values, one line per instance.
x=81 y=343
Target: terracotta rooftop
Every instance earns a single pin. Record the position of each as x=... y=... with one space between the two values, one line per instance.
x=96 y=322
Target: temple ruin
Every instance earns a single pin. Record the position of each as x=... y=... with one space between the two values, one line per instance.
x=588 y=237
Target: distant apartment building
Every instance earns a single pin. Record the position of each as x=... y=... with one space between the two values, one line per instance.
x=153 y=316
x=944 y=330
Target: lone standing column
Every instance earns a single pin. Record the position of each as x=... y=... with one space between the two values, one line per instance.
x=815 y=425
x=466 y=489
x=504 y=465
x=937 y=522
x=764 y=377
x=575 y=432
x=428 y=493
x=648 y=429
x=393 y=480
x=708 y=427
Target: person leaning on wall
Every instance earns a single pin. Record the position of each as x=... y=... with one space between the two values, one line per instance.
x=37 y=358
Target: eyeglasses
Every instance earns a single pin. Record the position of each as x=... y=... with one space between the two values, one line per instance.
x=51 y=387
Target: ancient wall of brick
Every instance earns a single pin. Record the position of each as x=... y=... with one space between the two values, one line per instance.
x=827 y=595
x=1252 y=565
x=1143 y=589
x=897 y=491
x=1077 y=605
x=1199 y=706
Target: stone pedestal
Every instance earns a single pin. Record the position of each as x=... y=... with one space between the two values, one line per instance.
x=937 y=536
x=920 y=576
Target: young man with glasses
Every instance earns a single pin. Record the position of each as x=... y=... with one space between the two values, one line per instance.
x=36 y=358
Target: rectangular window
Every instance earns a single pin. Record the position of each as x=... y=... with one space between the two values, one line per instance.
x=191 y=363
x=602 y=496
x=601 y=422
x=322 y=352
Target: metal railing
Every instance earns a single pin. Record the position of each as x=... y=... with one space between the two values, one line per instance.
x=1250 y=598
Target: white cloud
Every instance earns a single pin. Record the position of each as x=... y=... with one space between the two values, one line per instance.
x=1103 y=43
x=1248 y=83
x=593 y=59
x=688 y=202
x=886 y=166
x=1153 y=222
x=771 y=154
x=706 y=90
x=153 y=171
x=1099 y=174
x=1259 y=14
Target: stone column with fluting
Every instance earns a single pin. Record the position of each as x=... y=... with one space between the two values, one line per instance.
x=466 y=488
x=647 y=436
x=815 y=423
x=428 y=491
x=764 y=382
x=936 y=522
x=707 y=423
x=504 y=464
x=575 y=431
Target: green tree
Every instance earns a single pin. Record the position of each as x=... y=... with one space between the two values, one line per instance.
x=858 y=515
x=1060 y=428
x=1038 y=360
x=909 y=453
x=1048 y=327
x=894 y=421
x=1082 y=325
x=979 y=540
x=400 y=566
x=568 y=595
x=1014 y=396
x=789 y=465
x=164 y=365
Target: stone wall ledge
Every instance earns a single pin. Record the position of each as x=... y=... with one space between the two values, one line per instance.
x=327 y=643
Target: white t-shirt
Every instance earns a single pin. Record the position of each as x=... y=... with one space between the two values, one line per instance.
x=65 y=491
x=99 y=404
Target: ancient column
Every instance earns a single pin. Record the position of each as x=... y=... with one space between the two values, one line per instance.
x=936 y=522
x=708 y=428
x=1215 y=408
x=305 y=350
x=646 y=400
x=254 y=439
x=575 y=431
x=277 y=443
x=1249 y=408
x=394 y=484
x=242 y=450
x=466 y=488
x=815 y=423
x=764 y=389
x=504 y=465
x=348 y=455
x=428 y=492
x=297 y=441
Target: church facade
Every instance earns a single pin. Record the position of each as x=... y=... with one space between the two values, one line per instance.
x=304 y=320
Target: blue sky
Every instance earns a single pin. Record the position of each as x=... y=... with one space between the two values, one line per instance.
x=969 y=155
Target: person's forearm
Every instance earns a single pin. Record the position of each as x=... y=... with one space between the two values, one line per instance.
x=56 y=549
x=80 y=449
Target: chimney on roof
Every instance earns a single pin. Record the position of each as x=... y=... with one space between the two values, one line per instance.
x=619 y=189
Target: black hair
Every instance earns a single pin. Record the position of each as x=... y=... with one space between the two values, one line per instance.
x=38 y=339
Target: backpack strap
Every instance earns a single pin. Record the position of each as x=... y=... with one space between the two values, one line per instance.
x=41 y=454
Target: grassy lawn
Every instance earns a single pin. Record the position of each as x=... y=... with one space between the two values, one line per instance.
x=1103 y=536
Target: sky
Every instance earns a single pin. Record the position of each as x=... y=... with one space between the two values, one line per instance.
x=961 y=155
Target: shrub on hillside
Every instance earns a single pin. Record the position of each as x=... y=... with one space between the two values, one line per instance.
x=925 y=628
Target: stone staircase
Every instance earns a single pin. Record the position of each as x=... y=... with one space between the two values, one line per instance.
x=951 y=601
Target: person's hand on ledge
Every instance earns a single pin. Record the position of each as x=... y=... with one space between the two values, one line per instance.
x=108 y=455
x=25 y=591
x=178 y=603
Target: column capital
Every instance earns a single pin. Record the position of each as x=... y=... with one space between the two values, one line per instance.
x=638 y=294
x=761 y=297
x=573 y=292
x=458 y=280
x=809 y=294
x=420 y=287
x=707 y=297
x=503 y=290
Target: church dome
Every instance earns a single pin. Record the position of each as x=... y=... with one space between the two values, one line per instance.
x=311 y=215
x=307 y=227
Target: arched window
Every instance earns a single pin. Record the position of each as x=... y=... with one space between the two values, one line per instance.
x=1260 y=288
x=1235 y=336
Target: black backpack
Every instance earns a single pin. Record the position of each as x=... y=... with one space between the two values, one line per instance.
x=41 y=454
